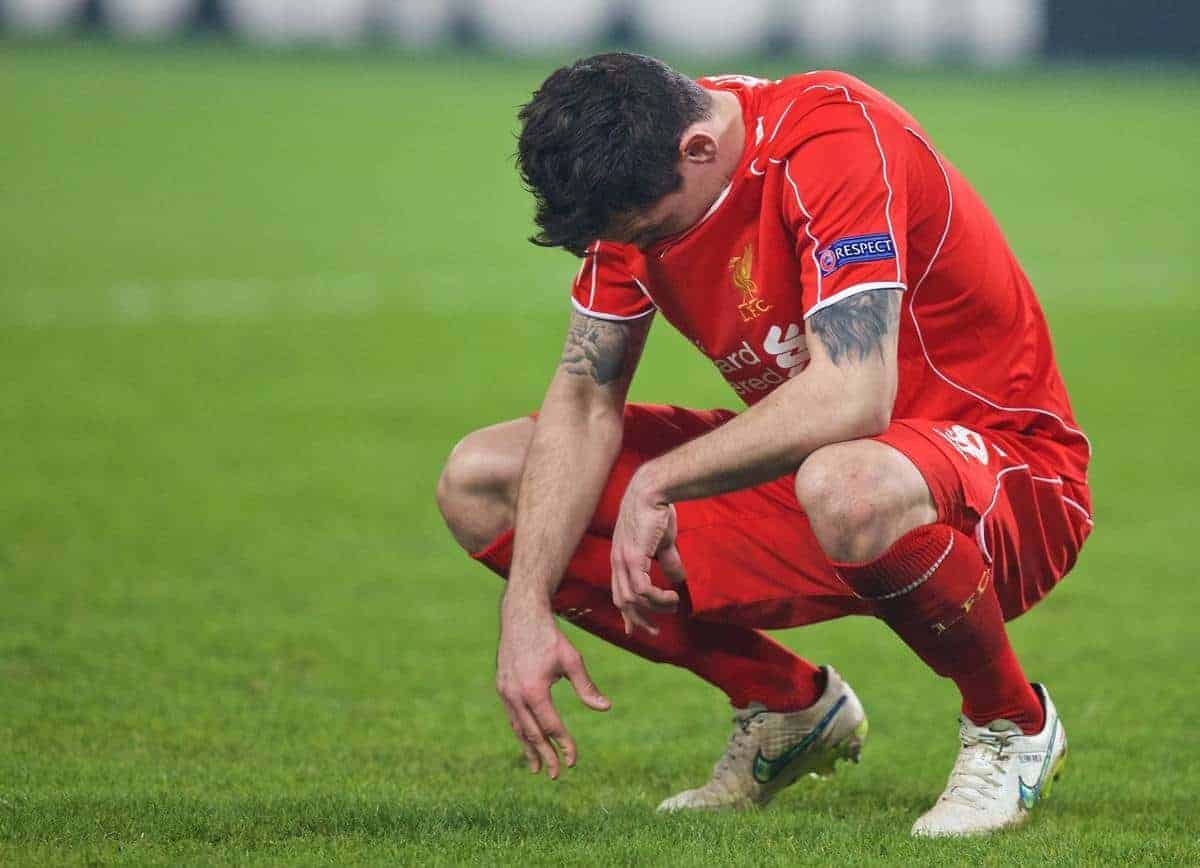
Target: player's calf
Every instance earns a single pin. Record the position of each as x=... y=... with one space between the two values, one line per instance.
x=874 y=516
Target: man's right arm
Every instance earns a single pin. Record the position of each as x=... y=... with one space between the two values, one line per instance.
x=575 y=443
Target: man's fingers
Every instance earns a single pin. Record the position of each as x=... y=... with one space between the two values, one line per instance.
x=536 y=739
x=585 y=688
x=567 y=744
x=551 y=724
x=622 y=596
x=649 y=595
x=630 y=606
x=672 y=564
x=628 y=596
x=531 y=756
x=635 y=618
x=659 y=599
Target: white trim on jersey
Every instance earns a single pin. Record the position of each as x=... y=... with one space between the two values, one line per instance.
x=645 y=291
x=979 y=528
x=980 y=535
x=844 y=294
x=787 y=173
x=609 y=316
x=949 y=212
x=921 y=337
x=754 y=170
x=1058 y=481
x=887 y=210
x=1086 y=515
x=779 y=123
x=595 y=263
x=712 y=209
x=594 y=253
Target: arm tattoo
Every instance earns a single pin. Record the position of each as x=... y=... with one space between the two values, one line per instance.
x=855 y=328
x=605 y=351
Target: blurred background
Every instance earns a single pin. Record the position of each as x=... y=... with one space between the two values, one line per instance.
x=903 y=31
x=262 y=262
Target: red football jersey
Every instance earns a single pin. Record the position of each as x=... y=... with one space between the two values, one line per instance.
x=839 y=191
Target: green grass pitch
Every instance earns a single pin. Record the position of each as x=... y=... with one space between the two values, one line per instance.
x=247 y=304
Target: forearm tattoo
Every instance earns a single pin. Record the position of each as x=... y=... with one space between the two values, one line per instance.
x=605 y=351
x=855 y=328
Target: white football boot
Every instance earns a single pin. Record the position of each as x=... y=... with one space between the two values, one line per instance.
x=999 y=776
x=770 y=750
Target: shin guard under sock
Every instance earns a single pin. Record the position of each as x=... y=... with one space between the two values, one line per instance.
x=933 y=589
x=743 y=663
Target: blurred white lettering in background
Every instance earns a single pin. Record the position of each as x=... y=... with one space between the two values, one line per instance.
x=905 y=31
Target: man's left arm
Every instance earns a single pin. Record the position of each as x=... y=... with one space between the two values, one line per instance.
x=846 y=393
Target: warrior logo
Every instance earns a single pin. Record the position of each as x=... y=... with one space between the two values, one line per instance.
x=751 y=305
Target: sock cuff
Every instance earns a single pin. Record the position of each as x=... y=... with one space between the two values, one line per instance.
x=906 y=565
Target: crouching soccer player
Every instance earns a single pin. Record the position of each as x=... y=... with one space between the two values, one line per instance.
x=908 y=450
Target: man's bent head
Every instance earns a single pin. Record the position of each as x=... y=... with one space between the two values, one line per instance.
x=603 y=141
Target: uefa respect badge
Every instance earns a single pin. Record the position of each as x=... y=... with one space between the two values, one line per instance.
x=856 y=248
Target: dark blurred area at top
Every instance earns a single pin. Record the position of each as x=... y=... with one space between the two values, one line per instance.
x=1066 y=29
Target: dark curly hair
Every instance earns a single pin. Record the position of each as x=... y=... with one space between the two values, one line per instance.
x=599 y=140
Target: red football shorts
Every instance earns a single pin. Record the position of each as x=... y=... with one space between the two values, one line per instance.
x=751 y=557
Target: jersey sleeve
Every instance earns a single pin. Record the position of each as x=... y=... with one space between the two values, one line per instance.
x=611 y=283
x=845 y=201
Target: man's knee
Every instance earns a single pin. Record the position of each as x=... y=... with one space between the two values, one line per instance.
x=477 y=489
x=860 y=497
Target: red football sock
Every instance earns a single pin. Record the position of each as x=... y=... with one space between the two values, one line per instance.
x=933 y=588
x=745 y=664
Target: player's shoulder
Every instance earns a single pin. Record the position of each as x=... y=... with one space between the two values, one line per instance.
x=615 y=253
x=613 y=260
x=799 y=108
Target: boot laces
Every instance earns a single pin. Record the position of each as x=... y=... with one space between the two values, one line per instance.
x=980 y=769
x=742 y=741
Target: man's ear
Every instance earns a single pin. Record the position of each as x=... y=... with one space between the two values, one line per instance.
x=697 y=146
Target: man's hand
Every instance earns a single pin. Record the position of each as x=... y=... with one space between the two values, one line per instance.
x=575 y=442
x=645 y=530
x=533 y=654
